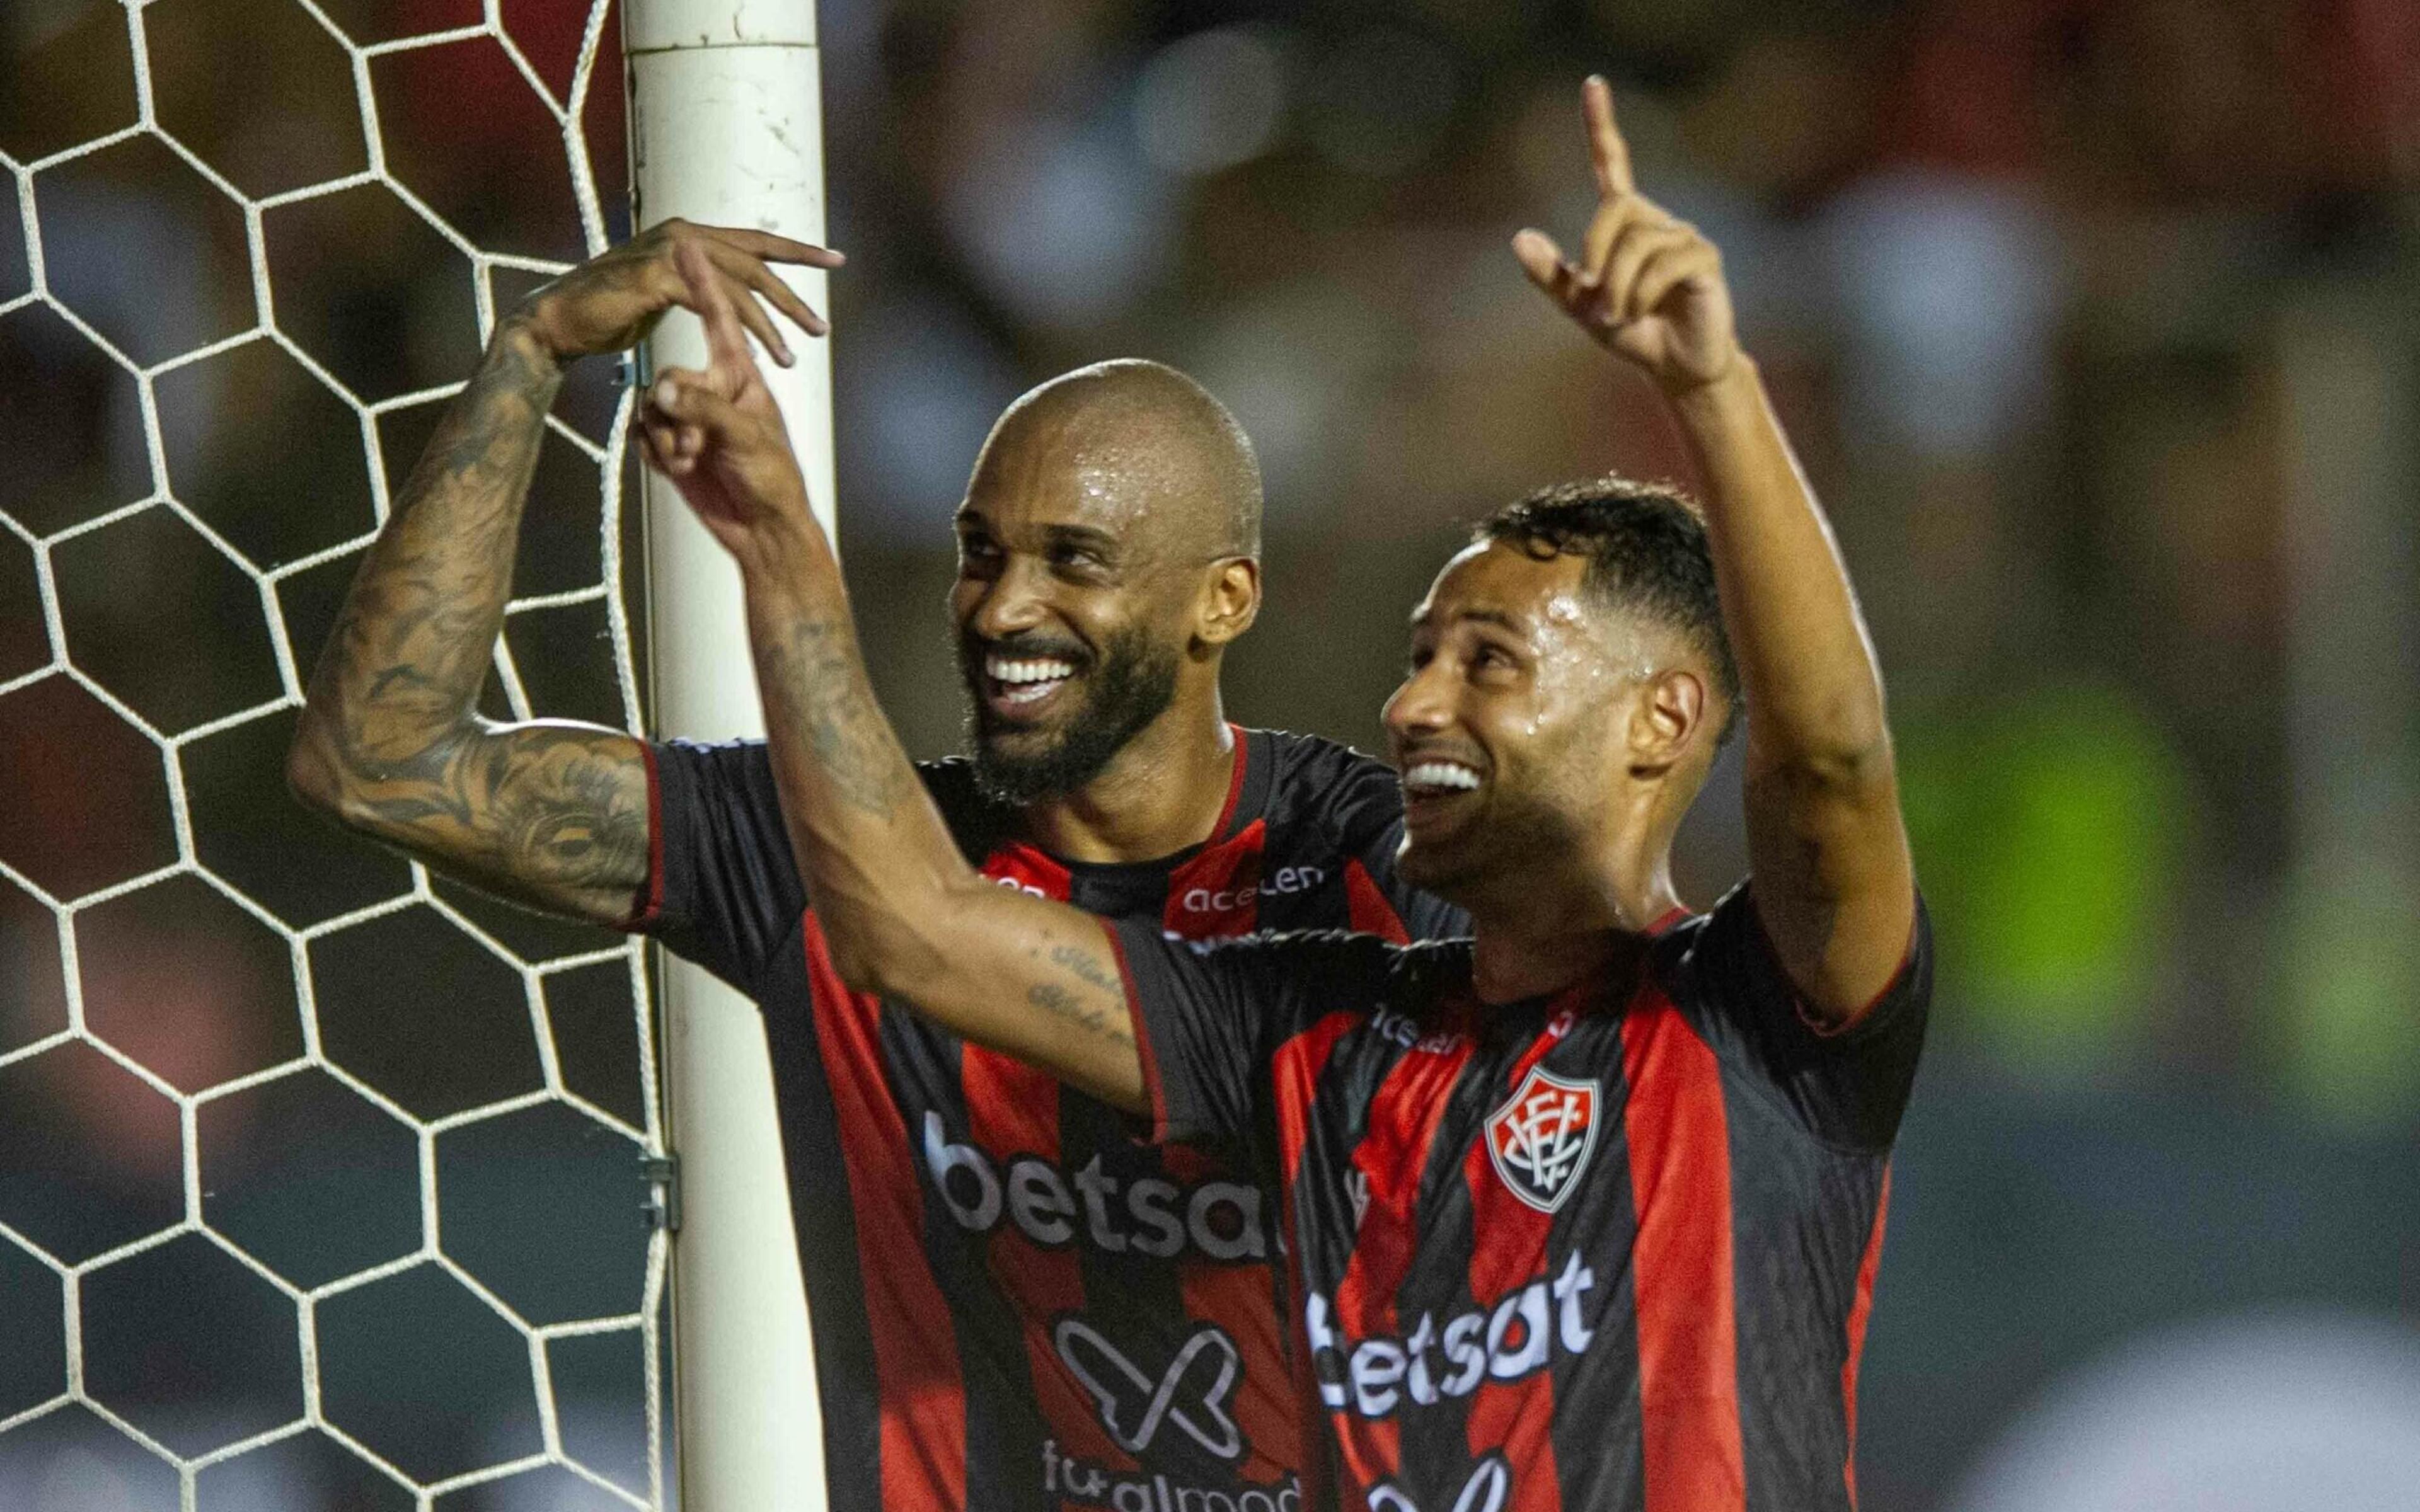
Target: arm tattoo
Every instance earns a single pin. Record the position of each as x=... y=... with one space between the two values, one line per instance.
x=815 y=670
x=551 y=816
x=1092 y=1017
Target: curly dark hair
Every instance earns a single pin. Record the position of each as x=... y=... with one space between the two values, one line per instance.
x=1646 y=554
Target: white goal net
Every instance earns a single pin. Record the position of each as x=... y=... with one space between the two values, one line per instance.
x=318 y=1176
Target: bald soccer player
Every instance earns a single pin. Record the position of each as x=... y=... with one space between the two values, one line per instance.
x=1585 y=1212
x=1016 y=1301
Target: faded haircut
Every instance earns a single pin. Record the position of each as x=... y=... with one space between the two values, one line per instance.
x=1645 y=546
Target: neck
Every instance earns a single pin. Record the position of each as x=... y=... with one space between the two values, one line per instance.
x=1161 y=792
x=1550 y=923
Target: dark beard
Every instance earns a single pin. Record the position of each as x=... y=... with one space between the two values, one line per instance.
x=1133 y=685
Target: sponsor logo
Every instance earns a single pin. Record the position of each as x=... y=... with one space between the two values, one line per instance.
x=1402 y=1031
x=1134 y=1406
x=1284 y=882
x=1515 y=1338
x=1488 y=1489
x=1013 y=884
x=1540 y=1140
x=1217 y=1219
x=1064 y=1475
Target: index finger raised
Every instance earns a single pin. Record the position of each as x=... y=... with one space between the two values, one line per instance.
x=726 y=339
x=1606 y=149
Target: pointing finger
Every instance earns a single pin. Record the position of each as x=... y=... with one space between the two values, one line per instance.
x=726 y=337
x=1606 y=149
x=774 y=248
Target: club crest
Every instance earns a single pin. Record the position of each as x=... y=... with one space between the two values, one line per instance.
x=1542 y=1137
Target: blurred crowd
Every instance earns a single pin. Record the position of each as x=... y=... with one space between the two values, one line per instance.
x=2094 y=321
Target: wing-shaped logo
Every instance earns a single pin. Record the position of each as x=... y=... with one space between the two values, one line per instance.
x=1542 y=1137
x=1191 y=1393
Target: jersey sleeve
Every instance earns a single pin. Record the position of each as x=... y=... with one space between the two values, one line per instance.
x=1848 y=1086
x=1209 y=1014
x=722 y=886
x=1368 y=813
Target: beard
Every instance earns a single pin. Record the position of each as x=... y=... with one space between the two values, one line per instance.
x=1131 y=685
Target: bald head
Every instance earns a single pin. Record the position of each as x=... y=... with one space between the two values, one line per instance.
x=1161 y=460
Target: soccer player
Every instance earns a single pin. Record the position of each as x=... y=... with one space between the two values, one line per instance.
x=1584 y=1213
x=1017 y=1301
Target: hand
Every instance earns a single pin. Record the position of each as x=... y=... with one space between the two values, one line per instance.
x=610 y=303
x=1648 y=286
x=717 y=433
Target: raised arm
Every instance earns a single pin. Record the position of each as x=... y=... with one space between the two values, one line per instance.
x=902 y=912
x=1834 y=884
x=548 y=813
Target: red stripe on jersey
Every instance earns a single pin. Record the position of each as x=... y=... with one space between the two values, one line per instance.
x=1508 y=1253
x=1240 y=1298
x=1367 y=908
x=923 y=1435
x=1858 y=1311
x=1402 y=1128
x=1217 y=892
x=1012 y=1110
x=1681 y=1263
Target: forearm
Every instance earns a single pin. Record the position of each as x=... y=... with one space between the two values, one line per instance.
x=902 y=912
x=1806 y=662
x=403 y=669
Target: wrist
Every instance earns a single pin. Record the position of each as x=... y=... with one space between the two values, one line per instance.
x=519 y=333
x=784 y=554
x=1718 y=399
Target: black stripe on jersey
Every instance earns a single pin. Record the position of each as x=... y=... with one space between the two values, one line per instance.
x=1437 y=1454
x=1794 y=1285
x=825 y=1227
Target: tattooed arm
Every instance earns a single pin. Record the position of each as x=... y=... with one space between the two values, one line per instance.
x=902 y=912
x=548 y=813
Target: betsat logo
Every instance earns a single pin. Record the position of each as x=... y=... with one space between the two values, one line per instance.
x=1515 y=1338
x=1217 y=1219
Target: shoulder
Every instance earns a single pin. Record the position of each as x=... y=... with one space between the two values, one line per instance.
x=977 y=823
x=1348 y=793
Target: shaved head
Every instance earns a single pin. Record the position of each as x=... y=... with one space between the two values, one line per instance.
x=1108 y=552
x=1149 y=442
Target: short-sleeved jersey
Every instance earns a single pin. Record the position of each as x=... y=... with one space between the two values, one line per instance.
x=1608 y=1250
x=1018 y=1300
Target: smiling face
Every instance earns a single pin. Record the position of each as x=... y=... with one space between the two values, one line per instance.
x=1101 y=555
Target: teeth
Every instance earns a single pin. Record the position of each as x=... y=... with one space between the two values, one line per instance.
x=1043 y=670
x=1440 y=775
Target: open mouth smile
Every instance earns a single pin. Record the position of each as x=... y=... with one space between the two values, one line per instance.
x=1023 y=686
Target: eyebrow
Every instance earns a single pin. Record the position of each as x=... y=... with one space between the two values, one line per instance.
x=1089 y=536
x=1497 y=617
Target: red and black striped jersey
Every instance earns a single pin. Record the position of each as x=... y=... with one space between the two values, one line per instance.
x=1608 y=1250
x=1019 y=1300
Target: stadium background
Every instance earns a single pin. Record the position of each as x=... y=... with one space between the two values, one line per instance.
x=2094 y=320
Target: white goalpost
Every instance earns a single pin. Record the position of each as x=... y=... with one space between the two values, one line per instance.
x=726 y=128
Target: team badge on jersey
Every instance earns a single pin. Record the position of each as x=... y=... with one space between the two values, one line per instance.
x=1542 y=1137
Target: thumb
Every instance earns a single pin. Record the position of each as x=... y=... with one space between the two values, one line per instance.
x=687 y=398
x=1543 y=262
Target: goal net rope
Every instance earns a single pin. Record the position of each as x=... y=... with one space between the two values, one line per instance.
x=230 y=1171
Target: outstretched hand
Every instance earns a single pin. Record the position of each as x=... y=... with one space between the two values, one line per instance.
x=715 y=432
x=1648 y=285
x=610 y=303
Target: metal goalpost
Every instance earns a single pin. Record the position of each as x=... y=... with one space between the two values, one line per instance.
x=726 y=128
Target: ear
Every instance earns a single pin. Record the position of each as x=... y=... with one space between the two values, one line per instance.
x=1664 y=719
x=1231 y=601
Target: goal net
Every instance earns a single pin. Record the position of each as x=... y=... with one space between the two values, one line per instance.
x=319 y=1176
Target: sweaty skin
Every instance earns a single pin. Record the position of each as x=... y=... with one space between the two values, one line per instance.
x=907 y=917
